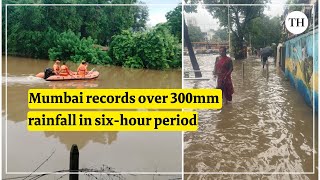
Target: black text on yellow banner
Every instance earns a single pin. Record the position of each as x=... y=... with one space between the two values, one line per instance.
x=125 y=99
x=112 y=121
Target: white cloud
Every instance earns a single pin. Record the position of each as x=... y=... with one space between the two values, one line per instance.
x=155 y=18
x=204 y=19
x=157 y=14
x=275 y=8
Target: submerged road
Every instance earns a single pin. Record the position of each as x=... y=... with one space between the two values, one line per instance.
x=267 y=128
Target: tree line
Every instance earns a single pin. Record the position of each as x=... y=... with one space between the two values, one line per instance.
x=247 y=24
x=82 y=32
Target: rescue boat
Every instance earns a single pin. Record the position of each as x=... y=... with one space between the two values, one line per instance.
x=74 y=76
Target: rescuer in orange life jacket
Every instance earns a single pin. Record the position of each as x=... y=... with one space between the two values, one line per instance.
x=64 y=70
x=56 y=67
x=82 y=69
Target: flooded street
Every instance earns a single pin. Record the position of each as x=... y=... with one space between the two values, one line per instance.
x=122 y=151
x=267 y=128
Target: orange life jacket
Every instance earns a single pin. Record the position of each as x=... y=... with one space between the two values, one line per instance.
x=56 y=68
x=82 y=70
x=64 y=70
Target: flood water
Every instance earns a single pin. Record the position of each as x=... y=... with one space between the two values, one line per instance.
x=267 y=128
x=122 y=151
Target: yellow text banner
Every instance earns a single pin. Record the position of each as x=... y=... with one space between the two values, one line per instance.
x=111 y=121
x=125 y=99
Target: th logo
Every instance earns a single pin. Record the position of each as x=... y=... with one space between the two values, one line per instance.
x=296 y=22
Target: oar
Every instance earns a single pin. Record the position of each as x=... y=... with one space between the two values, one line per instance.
x=91 y=71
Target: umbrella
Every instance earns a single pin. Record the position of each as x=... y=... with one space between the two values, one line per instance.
x=267 y=51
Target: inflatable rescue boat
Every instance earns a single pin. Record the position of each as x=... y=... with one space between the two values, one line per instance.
x=49 y=75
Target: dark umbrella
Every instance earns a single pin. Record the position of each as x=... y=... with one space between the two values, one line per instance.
x=267 y=51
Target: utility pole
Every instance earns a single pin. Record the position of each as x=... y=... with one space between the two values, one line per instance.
x=74 y=163
x=229 y=29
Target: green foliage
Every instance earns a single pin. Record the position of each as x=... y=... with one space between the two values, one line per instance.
x=195 y=33
x=259 y=36
x=65 y=46
x=159 y=50
x=69 y=46
x=27 y=25
x=76 y=33
x=154 y=49
x=221 y=35
x=192 y=7
x=174 y=21
x=133 y=62
x=239 y=19
x=294 y=8
x=62 y=18
x=140 y=17
x=122 y=47
x=30 y=43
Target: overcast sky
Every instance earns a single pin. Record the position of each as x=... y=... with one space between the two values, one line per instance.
x=207 y=22
x=158 y=10
x=157 y=14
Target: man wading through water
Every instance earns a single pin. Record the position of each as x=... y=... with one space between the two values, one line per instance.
x=223 y=69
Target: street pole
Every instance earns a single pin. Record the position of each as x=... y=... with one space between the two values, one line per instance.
x=74 y=163
x=230 y=49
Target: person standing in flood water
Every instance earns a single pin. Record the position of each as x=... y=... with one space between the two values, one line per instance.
x=223 y=69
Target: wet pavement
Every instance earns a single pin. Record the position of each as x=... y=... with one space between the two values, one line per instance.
x=267 y=128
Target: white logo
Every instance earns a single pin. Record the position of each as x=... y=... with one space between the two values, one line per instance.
x=296 y=22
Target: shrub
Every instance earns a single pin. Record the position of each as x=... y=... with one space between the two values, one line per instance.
x=69 y=46
x=154 y=49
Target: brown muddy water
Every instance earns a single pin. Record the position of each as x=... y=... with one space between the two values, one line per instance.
x=122 y=151
x=267 y=128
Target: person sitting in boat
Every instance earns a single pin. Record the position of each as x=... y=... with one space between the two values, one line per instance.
x=64 y=70
x=56 y=67
x=82 y=69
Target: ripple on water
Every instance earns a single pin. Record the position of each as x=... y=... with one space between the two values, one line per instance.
x=22 y=80
x=260 y=131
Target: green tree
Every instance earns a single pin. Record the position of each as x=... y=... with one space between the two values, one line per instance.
x=195 y=33
x=294 y=8
x=264 y=31
x=154 y=49
x=141 y=15
x=240 y=18
x=25 y=35
x=10 y=10
x=174 y=21
x=70 y=46
x=61 y=18
x=221 y=35
x=74 y=32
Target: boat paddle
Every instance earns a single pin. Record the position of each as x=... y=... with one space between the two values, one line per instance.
x=91 y=71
